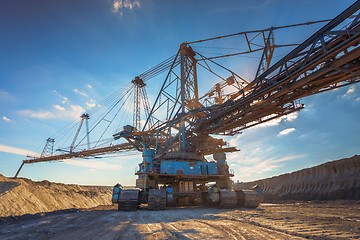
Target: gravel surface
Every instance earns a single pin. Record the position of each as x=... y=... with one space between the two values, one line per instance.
x=303 y=220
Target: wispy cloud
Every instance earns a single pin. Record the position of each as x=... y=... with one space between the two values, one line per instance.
x=272 y=163
x=82 y=93
x=92 y=164
x=64 y=100
x=17 y=151
x=120 y=5
x=5 y=96
x=351 y=90
x=258 y=167
x=91 y=104
x=6 y=119
x=289 y=118
x=59 y=108
x=260 y=156
x=286 y=131
x=57 y=112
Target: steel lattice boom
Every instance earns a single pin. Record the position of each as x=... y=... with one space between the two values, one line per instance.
x=328 y=59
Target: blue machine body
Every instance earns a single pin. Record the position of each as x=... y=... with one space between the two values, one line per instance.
x=188 y=167
x=179 y=167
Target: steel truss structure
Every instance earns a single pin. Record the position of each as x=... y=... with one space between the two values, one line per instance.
x=182 y=121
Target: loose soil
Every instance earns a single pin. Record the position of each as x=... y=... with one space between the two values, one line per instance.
x=303 y=220
x=23 y=196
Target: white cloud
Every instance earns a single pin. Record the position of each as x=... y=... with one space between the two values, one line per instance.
x=80 y=92
x=64 y=100
x=260 y=156
x=89 y=86
x=256 y=167
x=92 y=164
x=291 y=117
x=37 y=114
x=274 y=122
x=6 y=119
x=358 y=99
x=117 y=5
x=59 y=108
x=91 y=103
x=286 y=131
x=350 y=90
x=272 y=163
x=120 y=5
x=58 y=112
x=17 y=151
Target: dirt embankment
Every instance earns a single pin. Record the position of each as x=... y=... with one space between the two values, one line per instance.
x=23 y=196
x=329 y=181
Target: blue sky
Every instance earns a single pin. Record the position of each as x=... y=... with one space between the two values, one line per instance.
x=58 y=58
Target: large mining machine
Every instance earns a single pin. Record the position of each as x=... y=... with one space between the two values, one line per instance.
x=177 y=134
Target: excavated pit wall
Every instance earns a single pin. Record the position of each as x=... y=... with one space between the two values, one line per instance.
x=329 y=181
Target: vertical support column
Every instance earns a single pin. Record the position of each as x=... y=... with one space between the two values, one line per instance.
x=85 y=116
x=189 y=95
x=87 y=132
x=196 y=89
x=223 y=169
x=267 y=53
x=182 y=93
x=148 y=155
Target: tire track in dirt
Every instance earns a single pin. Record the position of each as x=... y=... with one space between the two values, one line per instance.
x=97 y=225
x=223 y=230
x=245 y=230
x=287 y=221
x=261 y=230
x=157 y=228
x=209 y=222
x=311 y=222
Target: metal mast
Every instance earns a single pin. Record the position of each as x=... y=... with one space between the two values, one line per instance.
x=189 y=86
x=49 y=148
x=84 y=117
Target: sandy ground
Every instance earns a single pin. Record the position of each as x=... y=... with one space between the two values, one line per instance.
x=307 y=220
x=24 y=196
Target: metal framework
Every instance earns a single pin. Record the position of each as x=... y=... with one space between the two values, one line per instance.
x=84 y=117
x=181 y=120
x=140 y=101
x=49 y=148
x=328 y=59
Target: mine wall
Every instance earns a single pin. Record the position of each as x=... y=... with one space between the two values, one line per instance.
x=334 y=180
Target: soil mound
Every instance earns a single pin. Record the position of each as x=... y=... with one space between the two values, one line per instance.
x=336 y=180
x=23 y=196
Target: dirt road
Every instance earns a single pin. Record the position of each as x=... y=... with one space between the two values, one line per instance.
x=329 y=220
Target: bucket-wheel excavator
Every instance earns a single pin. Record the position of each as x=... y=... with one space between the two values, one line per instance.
x=178 y=130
